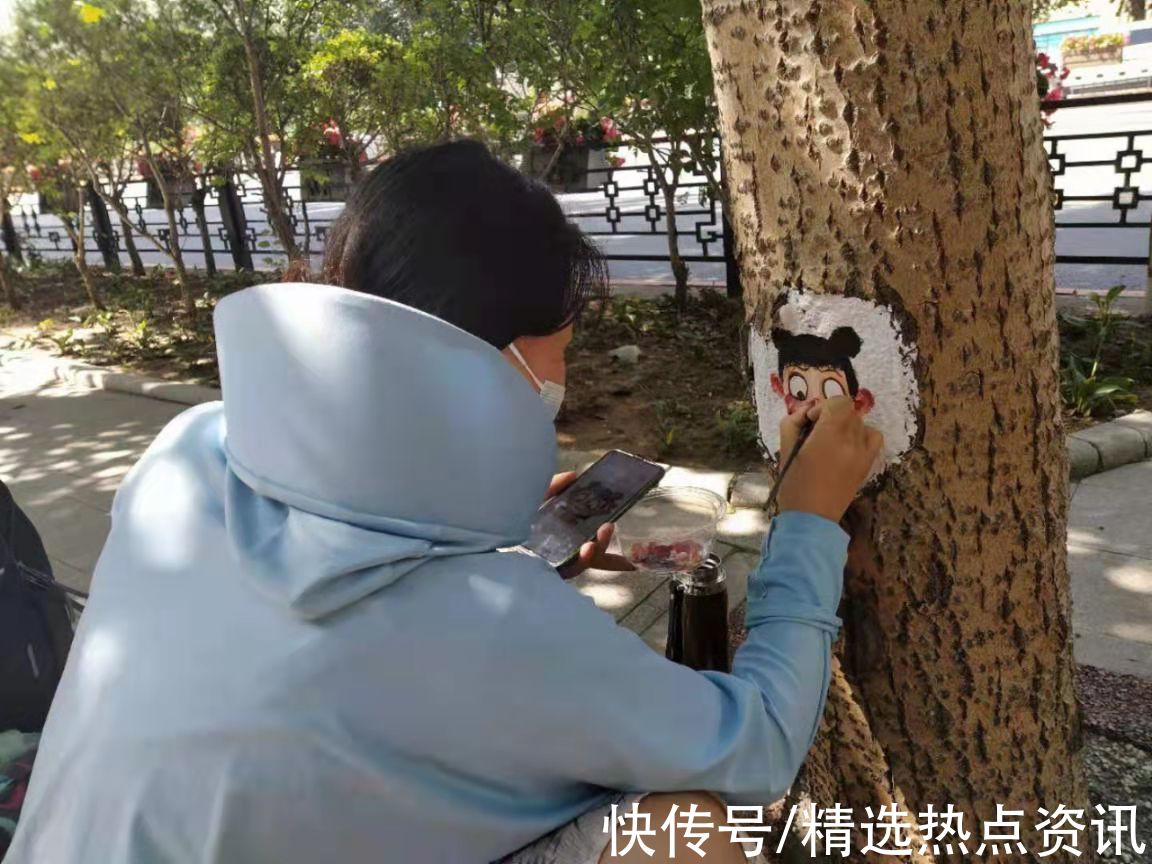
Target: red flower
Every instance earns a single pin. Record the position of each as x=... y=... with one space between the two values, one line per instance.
x=1042 y=59
x=1064 y=73
x=331 y=133
x=615 y=161
x=33 y=173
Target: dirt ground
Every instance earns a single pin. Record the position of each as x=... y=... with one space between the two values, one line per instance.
x=682 y=399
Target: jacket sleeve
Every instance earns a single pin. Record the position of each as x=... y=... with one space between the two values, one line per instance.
x=631 y=720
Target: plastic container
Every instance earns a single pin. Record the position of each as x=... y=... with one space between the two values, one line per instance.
x=671 y=529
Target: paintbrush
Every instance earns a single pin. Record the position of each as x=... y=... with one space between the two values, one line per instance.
x=805 y=431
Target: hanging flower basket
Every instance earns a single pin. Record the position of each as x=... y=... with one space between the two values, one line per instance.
x=585 y=155
x=1092 y=50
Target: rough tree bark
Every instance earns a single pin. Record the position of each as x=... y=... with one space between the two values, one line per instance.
x=891 y=150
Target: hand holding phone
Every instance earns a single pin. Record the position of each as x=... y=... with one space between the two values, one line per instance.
x=599 y=496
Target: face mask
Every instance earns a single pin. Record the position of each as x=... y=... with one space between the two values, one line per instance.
x=551 y=392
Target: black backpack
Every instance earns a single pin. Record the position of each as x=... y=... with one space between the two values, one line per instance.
x=37 y=619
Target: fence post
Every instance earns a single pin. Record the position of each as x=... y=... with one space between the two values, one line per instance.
x=102 y=230
x=731 y=268
x=235 y=224
x=11 y=241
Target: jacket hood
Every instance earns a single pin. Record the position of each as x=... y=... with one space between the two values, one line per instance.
x=364 y=437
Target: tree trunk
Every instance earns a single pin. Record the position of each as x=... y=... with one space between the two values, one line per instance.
x=892 y=151
x=7 y=285
x=675 y=259
x=174 y=250
x=130 y=242
x=273 y=192
x=679 y=266
x=75 y=229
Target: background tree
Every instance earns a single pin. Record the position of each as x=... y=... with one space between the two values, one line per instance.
x=14 y=155
x=645 y=65
x=365 y=96
x=461 y=51
x=1136 y=10
x=250 y=95
x=107 y=78
x=66 y=185
x=893 y=151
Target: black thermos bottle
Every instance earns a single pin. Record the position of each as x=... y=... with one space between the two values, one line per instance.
x=698 y=618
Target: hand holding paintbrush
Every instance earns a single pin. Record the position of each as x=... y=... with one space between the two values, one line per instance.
x=838 y=452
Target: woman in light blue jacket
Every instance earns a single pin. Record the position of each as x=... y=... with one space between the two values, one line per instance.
x=310 y=638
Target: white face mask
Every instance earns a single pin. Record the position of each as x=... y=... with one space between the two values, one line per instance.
x=551 y=392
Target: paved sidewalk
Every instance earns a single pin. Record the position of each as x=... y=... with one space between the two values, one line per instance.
x=65 y=447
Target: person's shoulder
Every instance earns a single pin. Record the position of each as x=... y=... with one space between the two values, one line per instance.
x=532 y=578
x=189 y=450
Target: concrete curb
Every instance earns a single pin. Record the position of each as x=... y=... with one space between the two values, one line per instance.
x=1098 y=448
x=99 y=378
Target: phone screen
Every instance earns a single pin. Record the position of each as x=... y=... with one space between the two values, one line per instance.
x=601 y=494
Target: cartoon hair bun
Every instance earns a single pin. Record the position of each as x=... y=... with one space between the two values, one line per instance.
x=780 y=335
x=845 y=342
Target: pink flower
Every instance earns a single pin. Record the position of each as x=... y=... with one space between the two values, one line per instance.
x=1055 y=94
x=615 y=161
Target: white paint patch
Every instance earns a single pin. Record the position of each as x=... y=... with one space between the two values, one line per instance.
x=883 y=367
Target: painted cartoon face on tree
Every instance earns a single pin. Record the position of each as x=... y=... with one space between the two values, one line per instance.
x=813 y=368
x=818 y=346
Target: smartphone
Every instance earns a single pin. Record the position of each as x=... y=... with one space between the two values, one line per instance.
x=601 y=494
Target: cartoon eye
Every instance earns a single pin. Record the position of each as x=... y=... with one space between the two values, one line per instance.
x=798 y=387
x=832 y=388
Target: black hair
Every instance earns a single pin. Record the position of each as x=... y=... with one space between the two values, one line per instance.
x=808 y=349
x=453 y=231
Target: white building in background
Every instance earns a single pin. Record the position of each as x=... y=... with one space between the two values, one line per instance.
x=1127 y=69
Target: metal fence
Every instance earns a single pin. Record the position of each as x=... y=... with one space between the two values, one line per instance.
x=1103 y=203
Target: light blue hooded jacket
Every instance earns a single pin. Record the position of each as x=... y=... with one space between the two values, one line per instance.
x=304 y=643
